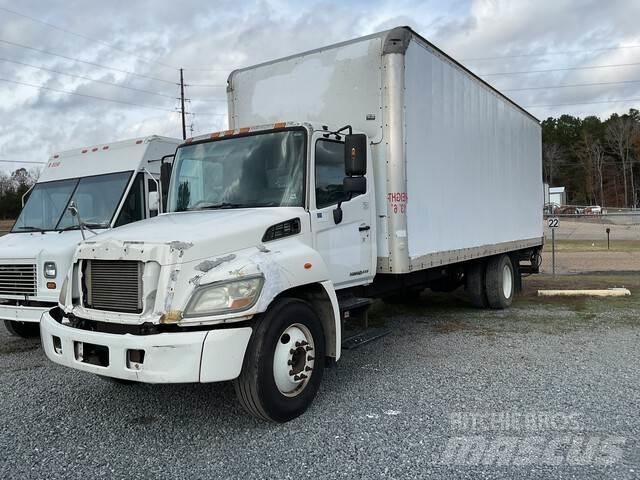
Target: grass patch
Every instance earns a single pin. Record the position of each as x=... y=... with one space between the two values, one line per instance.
x=593 y=246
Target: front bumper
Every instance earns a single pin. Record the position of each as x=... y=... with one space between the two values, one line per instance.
x=23 y=314
x=182 y=357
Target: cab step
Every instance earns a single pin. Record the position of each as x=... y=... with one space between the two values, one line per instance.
x=364 y=337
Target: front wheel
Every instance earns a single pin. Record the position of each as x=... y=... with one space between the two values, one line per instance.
x=284 y=362
x=22 y=329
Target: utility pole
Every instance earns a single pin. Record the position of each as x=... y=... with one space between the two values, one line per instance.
x=184 y=126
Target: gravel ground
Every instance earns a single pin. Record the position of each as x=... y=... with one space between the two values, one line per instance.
x=391 y=409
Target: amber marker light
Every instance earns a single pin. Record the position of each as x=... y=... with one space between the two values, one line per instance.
x=51 y=285
x=307 y=266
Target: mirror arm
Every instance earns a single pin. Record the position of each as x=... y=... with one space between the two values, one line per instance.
x=157 y=187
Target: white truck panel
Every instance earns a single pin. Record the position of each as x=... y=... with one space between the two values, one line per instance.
x=98 y=160
x=337 y=85
x=473 y=160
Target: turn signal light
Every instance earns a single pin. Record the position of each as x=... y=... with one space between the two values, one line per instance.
x=51 y=285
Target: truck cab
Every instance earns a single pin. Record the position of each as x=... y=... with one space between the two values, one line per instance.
x=258 y=221
x=106 y=186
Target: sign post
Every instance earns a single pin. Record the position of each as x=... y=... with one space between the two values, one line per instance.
x=553 y=223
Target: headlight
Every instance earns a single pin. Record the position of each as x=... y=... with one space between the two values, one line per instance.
x=224 y=297
x=50 y=269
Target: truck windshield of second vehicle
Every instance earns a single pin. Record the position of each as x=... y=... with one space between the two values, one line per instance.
x=96 y=198
x=256 y=170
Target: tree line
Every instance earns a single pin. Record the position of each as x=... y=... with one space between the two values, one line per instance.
x=12 y=187
x=597 y=161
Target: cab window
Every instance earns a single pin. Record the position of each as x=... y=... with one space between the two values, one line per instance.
x=134 y=207
x=329 y=172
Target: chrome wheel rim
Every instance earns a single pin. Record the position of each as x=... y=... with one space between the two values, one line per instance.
x=293 y=360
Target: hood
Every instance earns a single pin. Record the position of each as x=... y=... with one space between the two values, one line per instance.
x=200 y=234
x=32 y=245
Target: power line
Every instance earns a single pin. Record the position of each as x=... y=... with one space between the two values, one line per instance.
x=85 y=95
x=570 y=85
x=549 y=53
x=209 y=114
x=87 y=38
x=584 y=103
x=589 y=67
x=86 y=62
x=86 y=78
x=205 y=85
x=22 y=161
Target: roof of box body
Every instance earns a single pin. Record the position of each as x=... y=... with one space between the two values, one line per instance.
x=396 y=40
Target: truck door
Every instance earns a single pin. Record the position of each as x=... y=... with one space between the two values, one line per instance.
x=347 y=247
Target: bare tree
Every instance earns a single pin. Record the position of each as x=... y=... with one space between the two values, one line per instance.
x=592 y=153
x=551 y=156
x=620 y=134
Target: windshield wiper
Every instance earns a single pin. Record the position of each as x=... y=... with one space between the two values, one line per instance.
x=32 y=228
x=89 y=225
x=217 y=206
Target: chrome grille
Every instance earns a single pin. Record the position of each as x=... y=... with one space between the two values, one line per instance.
x=114 y=285
x=18 y=279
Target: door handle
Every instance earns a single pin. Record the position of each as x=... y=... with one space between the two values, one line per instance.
x=364 y=228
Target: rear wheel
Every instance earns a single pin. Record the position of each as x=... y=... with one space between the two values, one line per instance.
x=22 y=329
x=284 y=362
x=500 y=282
x=475 y=285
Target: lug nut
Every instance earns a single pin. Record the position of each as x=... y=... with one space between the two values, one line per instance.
x=290 y=372
x=292 y=351
x=307 y=369
x=303 y=376
x=309 y=349
x=310 y=358
x=296 y=378
x=290 y=362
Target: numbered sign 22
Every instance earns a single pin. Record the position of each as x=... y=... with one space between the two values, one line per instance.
x=553 y=222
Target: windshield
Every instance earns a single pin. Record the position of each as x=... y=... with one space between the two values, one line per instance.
x=260 y=170
x=96 y=197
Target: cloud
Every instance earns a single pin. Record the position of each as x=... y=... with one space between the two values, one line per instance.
x=209 y=39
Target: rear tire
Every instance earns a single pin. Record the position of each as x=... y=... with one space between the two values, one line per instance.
x=284 y=362
x=474 y=284
x=500 y=282
x=22 y=329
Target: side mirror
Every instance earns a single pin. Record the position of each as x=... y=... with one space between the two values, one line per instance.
x=354 y=186
x=355 y=154
x=154 y=201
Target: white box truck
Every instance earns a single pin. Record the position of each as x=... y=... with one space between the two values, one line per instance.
x=106 y=186
x=369 y=168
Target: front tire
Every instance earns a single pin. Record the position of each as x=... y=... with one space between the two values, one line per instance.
x=22 y=329
x=284 y=362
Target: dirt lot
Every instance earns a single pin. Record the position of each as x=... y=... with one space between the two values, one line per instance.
x=582 y=256
x=390 y=409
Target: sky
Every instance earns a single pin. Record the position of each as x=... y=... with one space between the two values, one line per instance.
x=144 y=43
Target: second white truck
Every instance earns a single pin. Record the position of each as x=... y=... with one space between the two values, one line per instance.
x=373 y=168
x=106 y=185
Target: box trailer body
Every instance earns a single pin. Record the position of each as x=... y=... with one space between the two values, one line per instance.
x=457 y=164
x=109 y=184
x=370 y=168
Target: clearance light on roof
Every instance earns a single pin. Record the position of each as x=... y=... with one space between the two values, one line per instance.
x=106 y=147
x=94 y=149
x=85 y=150
x=56 y=156
x=138 y=142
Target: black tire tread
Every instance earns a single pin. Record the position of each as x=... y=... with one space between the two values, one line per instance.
x=474 y=283
x=245 y=385
x=22 y=329
x=493 y=281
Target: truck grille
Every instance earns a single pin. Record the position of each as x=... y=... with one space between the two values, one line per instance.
x=114 y=285
x=18 y=279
